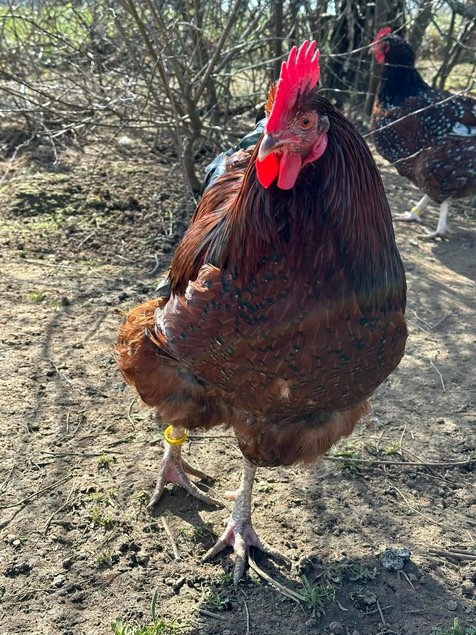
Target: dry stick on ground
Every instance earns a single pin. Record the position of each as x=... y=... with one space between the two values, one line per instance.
x=289 y=593
x=428 y=518
x=210 y=614
x=454 y=554
x=372 y=462
x=6 y=481
x=440 y=375
x=406 y=578
x=129 y=412
x=32 y=497
x=48 y=522
x=382 y=616
x=168 y=531
x=247 y=614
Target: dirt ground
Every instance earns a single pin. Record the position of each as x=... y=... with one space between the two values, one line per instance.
x=82 y=242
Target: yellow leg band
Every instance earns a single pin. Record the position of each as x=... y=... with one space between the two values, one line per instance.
x=416 y=210
x=171 y=441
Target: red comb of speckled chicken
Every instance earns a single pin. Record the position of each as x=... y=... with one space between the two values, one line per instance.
x=382 y=33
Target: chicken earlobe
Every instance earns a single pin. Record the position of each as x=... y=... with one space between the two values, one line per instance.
x=239 y=532
x=175 y=469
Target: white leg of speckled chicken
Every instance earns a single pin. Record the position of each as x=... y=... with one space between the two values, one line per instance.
x=175 y=469
x=414 y=215
x=442 y=227
x=239 y=532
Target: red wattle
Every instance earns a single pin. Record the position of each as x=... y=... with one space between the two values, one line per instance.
x=289 y=168
x=267 y=169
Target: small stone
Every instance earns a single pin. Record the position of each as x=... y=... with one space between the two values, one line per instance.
x=337 y=628
x=467 y=588
x=179 y=583
x=452 y=605
x=142 y=559
x=67 y=562
x=59 y=580
x=394 y=559
x=369 y=598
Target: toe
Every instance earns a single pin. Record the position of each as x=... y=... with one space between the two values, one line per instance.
x=192 y=489
x=220 y=544
x=409 y=217
x=195 y=471
x=158 y=491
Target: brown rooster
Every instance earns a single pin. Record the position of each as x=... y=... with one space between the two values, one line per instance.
x=286 y=300
x=435 y=148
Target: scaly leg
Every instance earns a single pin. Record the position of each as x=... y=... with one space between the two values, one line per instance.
x=175 y=469
x=414 y=215
x=239 y=532
x=442 y=229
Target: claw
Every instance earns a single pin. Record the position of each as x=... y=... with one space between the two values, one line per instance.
x=241 y=536
x=439 y=233
x=409 y=217
x=175 y=469
x=239 y=532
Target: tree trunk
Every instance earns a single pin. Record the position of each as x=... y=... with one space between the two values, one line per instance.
x=420 y=24
x=277 y=36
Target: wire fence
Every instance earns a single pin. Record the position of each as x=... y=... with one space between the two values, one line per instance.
x=182 y=74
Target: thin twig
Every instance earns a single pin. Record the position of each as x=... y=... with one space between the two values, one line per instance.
x=453 y=554
x=32 y=497
x=85 y=240
x=277 y=585
x=168 y=531
x=48 y=522
x=210 y=614
x=428 y=518
x=440 y=375
x=6 y=481
x=407 y=579
x=371 y=462
x=129 y=411
x=382 y=616
x=247 y=614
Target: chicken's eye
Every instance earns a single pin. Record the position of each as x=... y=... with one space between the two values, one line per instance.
x=305 y=122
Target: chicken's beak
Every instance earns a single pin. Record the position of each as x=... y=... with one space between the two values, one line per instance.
x=268 y=144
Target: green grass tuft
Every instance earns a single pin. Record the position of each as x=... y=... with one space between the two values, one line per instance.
x=456 y=629
x=317 y=596
x=156 y=627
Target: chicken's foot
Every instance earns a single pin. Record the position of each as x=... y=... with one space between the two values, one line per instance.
x=175 y=469
x=414 y=215
x=442 y=229
x=239 y=532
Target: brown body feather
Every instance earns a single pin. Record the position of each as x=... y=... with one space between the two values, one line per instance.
x=286 y=309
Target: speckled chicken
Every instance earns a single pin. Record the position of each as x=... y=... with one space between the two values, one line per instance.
x=435 y=148
x=284 y=308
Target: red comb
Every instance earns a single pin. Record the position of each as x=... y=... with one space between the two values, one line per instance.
x=299 y=73
x=382 y=33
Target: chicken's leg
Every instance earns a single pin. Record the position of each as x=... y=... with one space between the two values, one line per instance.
x=175 y=469
x=239 y=532
x=414 y=215
x=442 y=229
